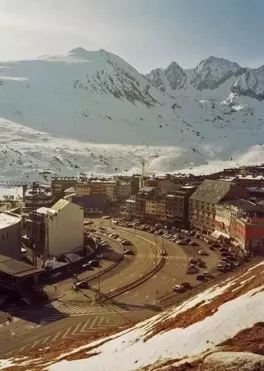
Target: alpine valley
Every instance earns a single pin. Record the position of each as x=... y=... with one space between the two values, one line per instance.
x=90 y=111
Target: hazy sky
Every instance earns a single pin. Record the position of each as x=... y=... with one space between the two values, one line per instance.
x=146 y=33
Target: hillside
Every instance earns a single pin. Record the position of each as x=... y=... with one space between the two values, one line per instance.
x=178 y=119
x=219 y=329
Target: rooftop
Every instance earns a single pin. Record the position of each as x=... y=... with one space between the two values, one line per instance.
x=70 y=190
x=212 y=191
x=7 y=219
x=16 y=268
x=60 y=204
x=45 y=210
x=244 y=205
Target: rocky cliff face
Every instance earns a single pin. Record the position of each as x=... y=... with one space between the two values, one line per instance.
x=171 y=78
x=251 y=84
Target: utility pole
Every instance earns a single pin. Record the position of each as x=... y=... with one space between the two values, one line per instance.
x=99 y=283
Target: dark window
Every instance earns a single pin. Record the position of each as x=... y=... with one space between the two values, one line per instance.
x=3 y=237
x=7 y=235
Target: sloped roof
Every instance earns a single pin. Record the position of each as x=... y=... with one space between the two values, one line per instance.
x=212 y=191
x=60 y=204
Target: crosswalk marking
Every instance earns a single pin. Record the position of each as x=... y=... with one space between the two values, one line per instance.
x=172 y=257
x=66 y=333
x=76 y=328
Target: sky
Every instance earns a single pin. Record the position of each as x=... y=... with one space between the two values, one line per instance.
x=146 y=33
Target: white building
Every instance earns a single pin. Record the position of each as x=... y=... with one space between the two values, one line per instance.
x=60 y=228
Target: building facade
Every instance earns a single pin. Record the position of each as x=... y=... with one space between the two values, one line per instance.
x=10 y=238
x=57 y=230
x=248 y=232
x=97 y=187
x=177 y=206
x=59 y=185
x=206 y=197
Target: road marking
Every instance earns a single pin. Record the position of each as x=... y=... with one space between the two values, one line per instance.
x=56 y=336
x=84 y=326
x=66 y=333
x=76 y=328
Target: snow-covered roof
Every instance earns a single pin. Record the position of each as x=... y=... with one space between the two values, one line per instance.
x=45 y=210
x=7 y=219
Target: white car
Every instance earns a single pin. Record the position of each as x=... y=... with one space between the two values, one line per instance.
x=202 y=252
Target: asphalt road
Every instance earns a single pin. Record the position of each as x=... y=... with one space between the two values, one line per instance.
x=75 y=314
x=172 y=273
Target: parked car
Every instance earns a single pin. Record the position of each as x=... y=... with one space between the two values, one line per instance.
x=192 y=270
x=201 y=277
x=87 y=266
x=193 y=243
x=201 y=264
x=80 y=285
x=178 y=288
x=202 y=252
x=192 y=260
x=129 y=252
x=186 y=285
x=94 y=263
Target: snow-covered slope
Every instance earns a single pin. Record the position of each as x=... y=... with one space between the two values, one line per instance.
x=226 y=317
x=180 y=119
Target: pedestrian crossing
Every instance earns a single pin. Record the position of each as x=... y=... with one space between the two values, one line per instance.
x=96 y=323
x=182 y=259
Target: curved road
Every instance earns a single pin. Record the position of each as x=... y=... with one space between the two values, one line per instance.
x=172 y=273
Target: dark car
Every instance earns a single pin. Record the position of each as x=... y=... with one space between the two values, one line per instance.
x=201 y=277
x=94 y=263
x=186 y=285
x=87 y=266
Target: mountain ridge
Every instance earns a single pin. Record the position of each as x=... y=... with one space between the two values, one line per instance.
x=98 y=98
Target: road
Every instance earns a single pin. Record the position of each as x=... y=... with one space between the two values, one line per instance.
x=75 y=314
x=172 y=273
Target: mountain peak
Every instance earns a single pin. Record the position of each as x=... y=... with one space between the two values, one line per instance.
x=211 y=72
x=78 y=50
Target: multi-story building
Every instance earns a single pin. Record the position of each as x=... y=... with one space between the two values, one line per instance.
x=130 y=211
x=56 y=230
x=205 y=197
x=250 y=180
x=141 y=198
x=177 y=205
x=59 y=185
x=97 y=187
x=156 y=208
x=227 y=210
x=248 y=232
x=123 y=190
x=10 y=244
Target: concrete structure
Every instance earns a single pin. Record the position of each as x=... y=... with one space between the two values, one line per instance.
x=43 y=197
x=177 y=206
x=59 y=229
x=10 y=245
x=206 y=196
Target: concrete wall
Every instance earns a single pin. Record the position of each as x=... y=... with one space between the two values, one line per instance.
x=10 y=243
x=66 y=230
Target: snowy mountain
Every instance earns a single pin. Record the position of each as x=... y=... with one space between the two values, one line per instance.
x=220 y=328
x=251 y=84
x=178 y=120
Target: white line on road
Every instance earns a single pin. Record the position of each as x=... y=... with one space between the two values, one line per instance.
x=56 y=336
x=76 y=328
x=66 y=333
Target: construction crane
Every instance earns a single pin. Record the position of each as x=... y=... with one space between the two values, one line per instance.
x=143 y=163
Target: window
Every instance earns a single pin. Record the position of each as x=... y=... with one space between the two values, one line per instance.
x=7 y=235
x=3 y=237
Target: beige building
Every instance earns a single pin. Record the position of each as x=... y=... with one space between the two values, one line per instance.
x=156 y=208
x=58 y=230
x=97 y=187
x=10 y=244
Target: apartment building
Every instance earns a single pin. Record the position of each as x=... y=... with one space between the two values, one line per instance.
x=156 y=208
x=59 y=185
x=177 y=205
x=206 y=197
x=97 y=187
